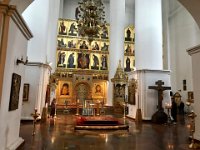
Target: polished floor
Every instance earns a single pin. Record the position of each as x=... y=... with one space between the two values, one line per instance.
x=59 y=134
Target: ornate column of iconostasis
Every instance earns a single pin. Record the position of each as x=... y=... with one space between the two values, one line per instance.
x=129 y=49
x=82 y=68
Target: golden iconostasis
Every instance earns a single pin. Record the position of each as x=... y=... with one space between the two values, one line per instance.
x=82 y=67
x=75 y=53
x=129 y=48
x=80 y=88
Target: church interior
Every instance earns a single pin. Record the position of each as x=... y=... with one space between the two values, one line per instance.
x=99 y=74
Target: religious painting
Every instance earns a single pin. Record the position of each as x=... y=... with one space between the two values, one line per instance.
x=104 y=62
x=104 y=46
x=64 y=89
x=83 y=60
x=83 y=44
x=105 y=32
x=48 y=94
x=119 y=91
x=190 y=95
x=129 y=33
x=61 y=43
x=73 y=29
x=95 y=61
x=98 y=89
x=128 y=63
x=26 y=92
x=132 y=91
x=14 y=93
x=71 y=63
x=128 y=49
x=71 y=43
x=61 y=59
x=62 y=28
x=95 y=45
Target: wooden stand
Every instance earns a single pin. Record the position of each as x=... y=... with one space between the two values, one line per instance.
x=138 y=116
x=44 y=115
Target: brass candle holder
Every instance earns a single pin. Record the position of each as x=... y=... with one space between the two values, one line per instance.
x=168 y=107
x=193 y=145
x=35 y=115
x=98 y=109
x=125 y=104
x=77 y=108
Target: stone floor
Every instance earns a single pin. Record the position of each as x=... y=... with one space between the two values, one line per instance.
x=59 y=134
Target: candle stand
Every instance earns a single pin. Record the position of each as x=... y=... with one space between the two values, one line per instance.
x=77 y=108
x=35 y=115
x=193 y=145
x=169 y=120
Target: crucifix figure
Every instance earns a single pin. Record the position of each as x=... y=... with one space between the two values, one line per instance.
x=160 y=88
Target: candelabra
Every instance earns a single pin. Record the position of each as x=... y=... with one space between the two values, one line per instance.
x=98 y=110
x=125 y=104
x=168 y=107
x=90 y=16
x=193 y=145
x=35 y=115
x=77 y=108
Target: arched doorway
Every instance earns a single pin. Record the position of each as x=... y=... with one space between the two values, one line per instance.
x=82 y=91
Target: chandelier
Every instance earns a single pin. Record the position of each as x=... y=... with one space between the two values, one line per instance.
x=90 y=17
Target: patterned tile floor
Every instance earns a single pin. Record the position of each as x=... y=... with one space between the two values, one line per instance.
x=59 y=134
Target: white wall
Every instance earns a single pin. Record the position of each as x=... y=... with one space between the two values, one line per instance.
x=10 y=120
x=37 y=90
x=42 y=17
x=148 y=98
x=184 y=33
x=130 y=12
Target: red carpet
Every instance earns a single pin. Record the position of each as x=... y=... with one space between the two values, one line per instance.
x=97 y=121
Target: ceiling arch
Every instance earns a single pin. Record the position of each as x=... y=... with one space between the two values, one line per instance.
x=193 y=7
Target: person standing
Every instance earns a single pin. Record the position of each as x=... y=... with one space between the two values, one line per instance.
x=53 y=108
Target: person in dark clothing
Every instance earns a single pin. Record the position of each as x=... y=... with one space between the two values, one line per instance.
x=181 y=108
x=53 y=108
x=174 y=110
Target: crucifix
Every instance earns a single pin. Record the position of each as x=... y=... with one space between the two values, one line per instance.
x=160 y=88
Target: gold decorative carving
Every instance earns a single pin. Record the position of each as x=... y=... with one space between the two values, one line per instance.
x=120 y=81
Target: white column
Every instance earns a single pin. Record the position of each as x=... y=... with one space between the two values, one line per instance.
x=148 y=34
x=148 y=57
x=117 y=20
x=195 y=53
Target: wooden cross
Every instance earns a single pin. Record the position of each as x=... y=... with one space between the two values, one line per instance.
x=160 y=90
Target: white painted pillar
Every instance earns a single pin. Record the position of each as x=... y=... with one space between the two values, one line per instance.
x=117 y=21
x=148 y=34
x=195 y=54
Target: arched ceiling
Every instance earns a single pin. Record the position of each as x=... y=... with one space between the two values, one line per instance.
x=21 y=4
x=193 y=6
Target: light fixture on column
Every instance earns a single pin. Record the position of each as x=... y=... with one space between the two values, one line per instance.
x=90 y=16
x=21 y=61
